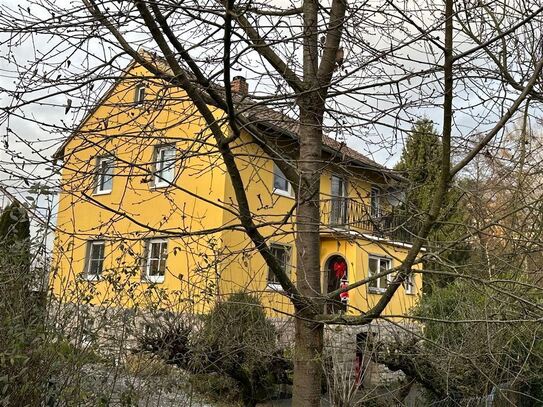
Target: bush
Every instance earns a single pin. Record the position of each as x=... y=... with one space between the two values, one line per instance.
x=237 y=340
x=477 y=341
x=235 y=352
x=168 y=339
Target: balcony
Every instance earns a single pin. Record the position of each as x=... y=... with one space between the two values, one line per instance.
x=345 y=215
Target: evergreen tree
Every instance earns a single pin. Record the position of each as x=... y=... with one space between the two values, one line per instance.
x=22 y=378
x=419 y=164
x=15 y=237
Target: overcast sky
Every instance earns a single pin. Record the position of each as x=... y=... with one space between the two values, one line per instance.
x=29 y=143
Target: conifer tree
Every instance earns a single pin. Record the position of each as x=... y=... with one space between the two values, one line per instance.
x=15 y=236
x=419 y=164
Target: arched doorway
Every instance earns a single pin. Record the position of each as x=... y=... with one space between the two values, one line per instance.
x=337 y=271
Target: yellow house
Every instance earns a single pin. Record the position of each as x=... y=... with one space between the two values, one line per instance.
x=146 y=213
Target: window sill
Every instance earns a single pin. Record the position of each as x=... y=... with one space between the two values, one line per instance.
x=274 y=287
x=373 y=290
x=89 y=277
x=283 y=193
x=105 y=192
x=159 y=186
x=154 y=280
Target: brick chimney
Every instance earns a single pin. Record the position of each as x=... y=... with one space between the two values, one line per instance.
x=239 y=85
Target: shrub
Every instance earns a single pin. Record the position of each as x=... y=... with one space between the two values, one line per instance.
x=477 y=341
x=235 y=352
x=168 y=339
x=237 y=340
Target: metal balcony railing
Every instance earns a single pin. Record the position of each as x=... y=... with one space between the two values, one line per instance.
x=347 y=214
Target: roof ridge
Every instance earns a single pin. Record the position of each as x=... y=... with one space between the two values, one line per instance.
x=260 y=112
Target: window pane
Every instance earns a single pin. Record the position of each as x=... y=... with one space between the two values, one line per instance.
x=97 y=251
x=95 y=267
x=165 y=165
x=279 y=180
x=140 y=94
x=161 y=267
x=153 y=267
x=384 y=266
x=372 y=271
x=155 y=250
x=156 y=258
x=408 y=284
x=338 y=186
x=282 y=253
x=105 y=174
x=96 y=258
x=162 y=258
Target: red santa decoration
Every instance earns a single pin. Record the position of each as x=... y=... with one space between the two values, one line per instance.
x=340 y=268
x=344 y=296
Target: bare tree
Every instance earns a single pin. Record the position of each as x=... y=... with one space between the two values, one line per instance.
x=343 y=69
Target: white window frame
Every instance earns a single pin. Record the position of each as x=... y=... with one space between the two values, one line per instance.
x=387 y=279
x=100 y=176
x=277 y=173
x=139 y=94
x=272 y=283
x=163 y=256
x=91 y=244
x=409 y=284
x=159 y=181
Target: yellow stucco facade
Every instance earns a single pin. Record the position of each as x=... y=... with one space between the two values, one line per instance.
x=208 y=255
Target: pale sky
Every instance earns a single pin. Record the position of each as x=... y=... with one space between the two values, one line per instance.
x=379 y=142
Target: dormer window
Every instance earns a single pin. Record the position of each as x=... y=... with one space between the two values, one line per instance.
x=139 y=96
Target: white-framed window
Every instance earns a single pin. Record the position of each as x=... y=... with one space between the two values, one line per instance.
x=155 y=260
x=283 y=254
x=375 y=202
x=104 y=174
x=164 y=173
x=377 y=265
x=94 y=264
x=281 y=186
x=409 y=284
x=139 y=94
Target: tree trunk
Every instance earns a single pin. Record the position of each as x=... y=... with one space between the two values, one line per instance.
x=309 y=335
x=307 y=363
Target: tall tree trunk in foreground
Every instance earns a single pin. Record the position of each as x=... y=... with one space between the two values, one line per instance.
x=309 y=335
